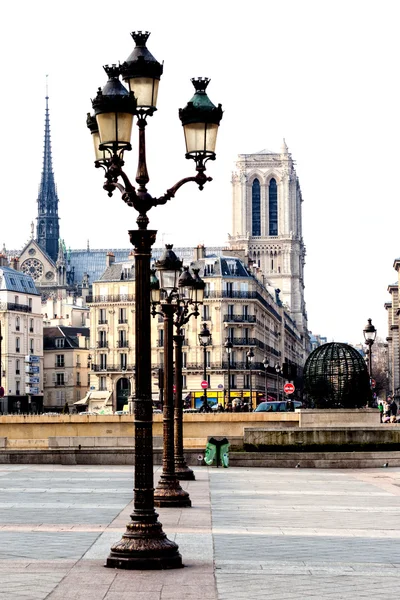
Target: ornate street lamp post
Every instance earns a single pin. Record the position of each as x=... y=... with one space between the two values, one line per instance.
x=228 y=348
x=144 y=545
x=250 y=358
x=369 y=336
x=205 y=340
x=266 y=365
x=278 y=370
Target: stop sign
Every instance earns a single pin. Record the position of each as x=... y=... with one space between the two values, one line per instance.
x=204 y=384
x=288 y=388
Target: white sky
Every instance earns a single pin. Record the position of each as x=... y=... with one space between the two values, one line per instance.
x=321 y=74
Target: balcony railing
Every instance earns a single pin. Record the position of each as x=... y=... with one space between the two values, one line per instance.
x=239 y=318
x=122 y=344
x=59 y=365
x=59 y=383
x=103 y=322
x=110 y=298
x=243 y=341
x=229 y=294
x=111 y=368
x=122 y=321
x=16 y=307
x=31 y=329
x=102 y=344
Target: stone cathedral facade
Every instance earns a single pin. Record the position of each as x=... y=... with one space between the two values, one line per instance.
x=267 y=223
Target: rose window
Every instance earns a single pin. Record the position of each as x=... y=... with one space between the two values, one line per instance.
x=32 y=267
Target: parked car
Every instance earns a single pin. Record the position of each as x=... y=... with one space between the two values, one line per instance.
x=276 y=406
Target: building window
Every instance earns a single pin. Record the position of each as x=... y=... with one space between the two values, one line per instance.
x=102 y=343
x=247 y=381
x=103 y=362
x=60 y=360
x=230 y=332
x=273 y=208
x=184 y=359
x=208 y=359
x=102 y=384
x=102 y=316
x=245 y=311
x=233 y=382
x=31 y=328
x=59 y=342
x=60 y=379
x=78 y=379
x=255 y=208
x=123 y=361
x=230 y=310
x=16 y=299
x=60 y=397
x=31 y=346
x=17 y=324
x=122 y=339
x=122 y=316
x=206 y=312
x=17 y=368
x=161 y=338
x=209 y=380
x=88 y=380
x=17 y=345
x=17 y=388
x=184 y=383
x=30 y=304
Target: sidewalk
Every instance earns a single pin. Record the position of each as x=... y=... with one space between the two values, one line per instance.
x=278 y=534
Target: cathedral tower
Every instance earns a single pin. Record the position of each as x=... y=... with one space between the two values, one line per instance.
x=47 y=228
x=267 y=223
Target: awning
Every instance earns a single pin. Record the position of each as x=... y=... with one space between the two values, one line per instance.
x=84 y=401
x=100 y=398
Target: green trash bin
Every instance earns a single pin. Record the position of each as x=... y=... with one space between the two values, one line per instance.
x=217 y=452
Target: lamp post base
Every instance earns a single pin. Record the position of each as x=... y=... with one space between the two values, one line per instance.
x=184 y=473
x=169 y=493
x=144 y=546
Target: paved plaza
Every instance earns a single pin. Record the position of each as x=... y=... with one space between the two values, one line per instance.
x=278 y=534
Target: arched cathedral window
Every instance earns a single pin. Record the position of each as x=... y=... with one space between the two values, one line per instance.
x=273 y=208
x=255 y=208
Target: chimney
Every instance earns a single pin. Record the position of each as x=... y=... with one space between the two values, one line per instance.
x=3 y=260
x=199 y=252
x=110 y=259
x=14 y=263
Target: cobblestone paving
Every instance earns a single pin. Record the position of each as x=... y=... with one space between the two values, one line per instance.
x=273 y=534
x=293 y=534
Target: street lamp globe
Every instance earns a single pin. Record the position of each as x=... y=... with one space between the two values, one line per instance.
x=266 y=363
x=200 y=119
x=155 y=292
x=250 y=355
x=142 y=73
x=228 y=346
x=114 y=108
x=205 y=336
x=278 y=368
x=168 y=268
x=198 y=288
x=186 y=285
x=369 y=333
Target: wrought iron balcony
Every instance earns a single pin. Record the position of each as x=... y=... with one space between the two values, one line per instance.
x=112 y=368
x=239 y=318
x=104 y=299
x=103 y=322
x=122 y=344
x=228 y=294
x=122 y=321
x=17 y=307
x=102 y=344
x=60 y=365
x=244 y=341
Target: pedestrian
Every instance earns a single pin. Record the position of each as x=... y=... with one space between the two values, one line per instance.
x=393 y=408
x=380 y=406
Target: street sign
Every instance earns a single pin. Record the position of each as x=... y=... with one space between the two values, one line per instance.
x=288 y=388
x=204 y=384
x=373 y=383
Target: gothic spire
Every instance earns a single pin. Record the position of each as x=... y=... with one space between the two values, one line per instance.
x=47 y=230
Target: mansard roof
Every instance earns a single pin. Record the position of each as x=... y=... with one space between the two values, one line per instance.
x=16 y=281
x=70 y=335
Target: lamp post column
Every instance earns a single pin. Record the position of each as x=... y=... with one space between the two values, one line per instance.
x=168 y=491
x=144 y=545
x=182 y=471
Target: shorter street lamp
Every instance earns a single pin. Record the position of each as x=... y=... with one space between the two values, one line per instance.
x=250 y=358
x=168 y=491
x=266 y=365
x=369 y=336
x=278 y=370
x=205 y=339
x=228 y=348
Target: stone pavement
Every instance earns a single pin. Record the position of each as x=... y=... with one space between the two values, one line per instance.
x=278 y=534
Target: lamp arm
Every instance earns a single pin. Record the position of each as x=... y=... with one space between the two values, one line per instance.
x=200 y=179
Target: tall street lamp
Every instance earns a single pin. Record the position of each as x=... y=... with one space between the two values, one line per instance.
x=369 y=337
x=266 y=365
x=205 y=340
x=144 y=545
x=228 y=348
x=278 y=370
x=250 y=358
